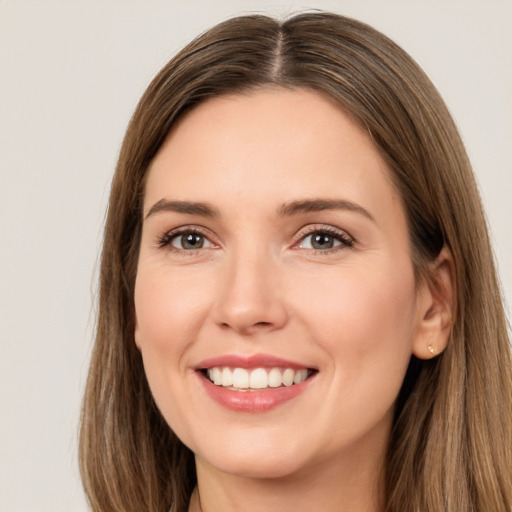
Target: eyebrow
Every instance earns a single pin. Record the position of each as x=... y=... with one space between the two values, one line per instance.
x=318 y=205
x=187 y=207
x=286 y=210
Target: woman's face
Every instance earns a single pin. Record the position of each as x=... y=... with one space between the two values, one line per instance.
x=275 y=248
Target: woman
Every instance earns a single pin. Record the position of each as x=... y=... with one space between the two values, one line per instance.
x=298 y=307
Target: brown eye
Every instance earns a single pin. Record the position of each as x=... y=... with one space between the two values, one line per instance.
x=190 y=241
x=322 y=241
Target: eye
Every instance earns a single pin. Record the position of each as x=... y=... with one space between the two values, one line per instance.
x=325 y=239
x=186 y=240
x=189 y=241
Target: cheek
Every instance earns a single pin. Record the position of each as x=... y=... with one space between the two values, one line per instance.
x=169 y=314
x=169 y=311
x=366 y=328
x=365 y=321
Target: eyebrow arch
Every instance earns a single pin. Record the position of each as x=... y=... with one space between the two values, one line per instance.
x=187 y=207
x=318 y=205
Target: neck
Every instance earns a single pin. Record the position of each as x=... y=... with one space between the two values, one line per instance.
x=331 y=488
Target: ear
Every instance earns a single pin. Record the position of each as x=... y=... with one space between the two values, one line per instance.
x=436 y=304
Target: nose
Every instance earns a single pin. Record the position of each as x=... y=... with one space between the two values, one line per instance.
x=251 y=298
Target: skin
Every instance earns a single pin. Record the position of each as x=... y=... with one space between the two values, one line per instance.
x=353 y=312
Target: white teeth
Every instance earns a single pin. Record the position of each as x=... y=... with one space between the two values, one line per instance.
x=227 y=377
x=217 y=376
x=259 y=378
x=274 y=378
x=240 y=378
x=288 y=376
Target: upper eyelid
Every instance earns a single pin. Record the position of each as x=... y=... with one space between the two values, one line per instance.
x=192 y=228
x=327 y=228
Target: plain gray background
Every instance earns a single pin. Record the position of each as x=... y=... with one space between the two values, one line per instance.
x=71 y=73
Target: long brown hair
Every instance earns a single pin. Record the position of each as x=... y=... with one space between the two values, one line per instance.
x=451 y=444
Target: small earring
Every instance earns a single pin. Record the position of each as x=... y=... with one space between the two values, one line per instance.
x=431 y=348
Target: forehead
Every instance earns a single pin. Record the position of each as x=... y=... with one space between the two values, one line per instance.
x=276 y=142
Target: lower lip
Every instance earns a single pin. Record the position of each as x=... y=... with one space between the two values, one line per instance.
x=252 y=401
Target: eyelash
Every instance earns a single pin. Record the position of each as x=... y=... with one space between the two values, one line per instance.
x=165 y=241
x=346 y=241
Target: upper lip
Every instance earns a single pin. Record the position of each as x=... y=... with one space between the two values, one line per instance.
x=249 y=361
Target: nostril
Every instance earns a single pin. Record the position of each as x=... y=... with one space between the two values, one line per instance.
x=247 y=329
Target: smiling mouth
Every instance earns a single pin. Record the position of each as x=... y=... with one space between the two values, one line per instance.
x=257 y=379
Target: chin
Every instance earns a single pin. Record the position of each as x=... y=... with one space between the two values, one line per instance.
x=261 y=468
x=254 y=460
